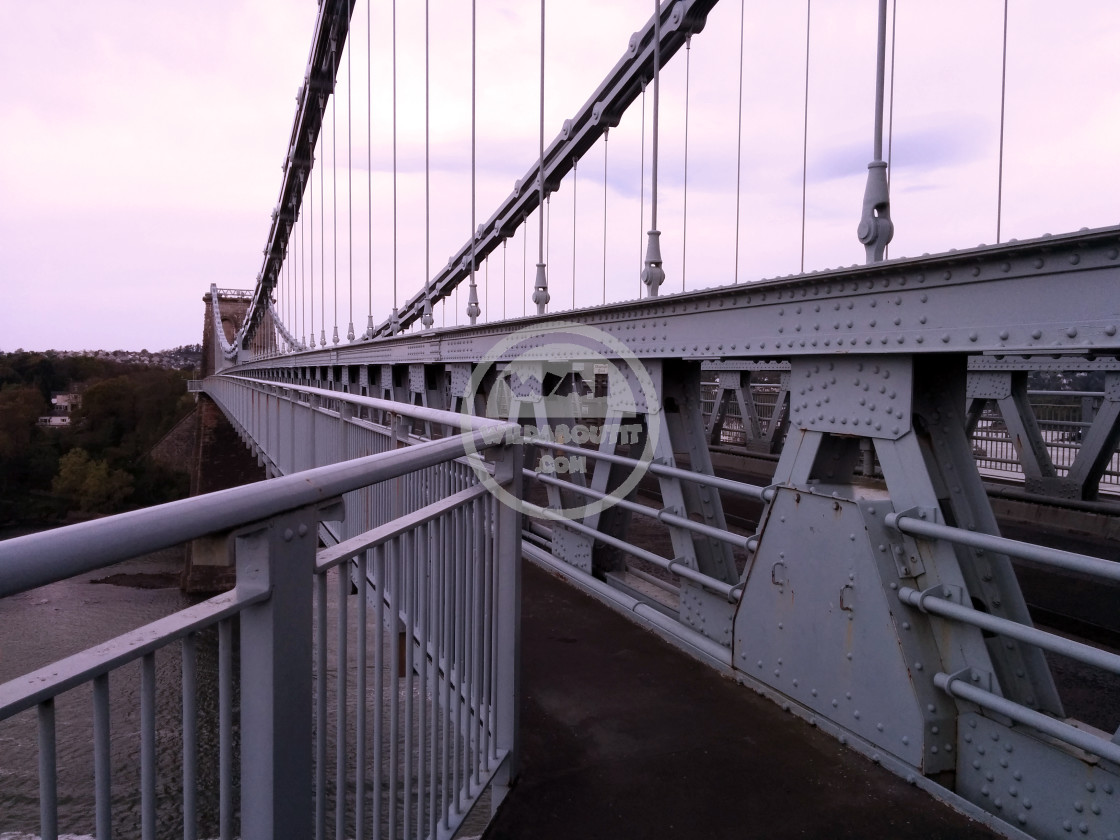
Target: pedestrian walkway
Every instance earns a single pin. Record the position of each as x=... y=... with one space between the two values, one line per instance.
x=625 y=737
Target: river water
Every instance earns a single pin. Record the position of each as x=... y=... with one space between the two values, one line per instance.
x=45 y=624
x=42 y=625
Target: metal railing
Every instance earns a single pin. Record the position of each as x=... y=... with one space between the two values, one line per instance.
x=260 y=401
x=298 y=427
x=936 y=601
x=733 y=431
x=970 y=685
x=439 y=584
x=670 y=573
x=1063 y=417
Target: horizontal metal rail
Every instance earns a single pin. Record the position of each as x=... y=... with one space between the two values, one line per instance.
x=936 y=602
x=684 y=637
x=92 y=545
x=445 y=574
x=1005 y=492
x=958 y=686
x=31 y=689
x=931 y=602
x=1078 y=394
x=1055 y=557
x=732 y=592
x=750 y=491
x=348 y=549
x=662 y=515
x=467 y=422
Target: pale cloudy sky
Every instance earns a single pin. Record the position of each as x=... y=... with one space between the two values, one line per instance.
x=142 y=149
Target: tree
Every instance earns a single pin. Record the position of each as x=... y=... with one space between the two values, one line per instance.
x=93 y=485
x=104 y=489
x=73 y=467
x=20 y=409
x=126 y=408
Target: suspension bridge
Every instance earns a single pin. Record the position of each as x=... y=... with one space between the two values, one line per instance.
x=798 y=481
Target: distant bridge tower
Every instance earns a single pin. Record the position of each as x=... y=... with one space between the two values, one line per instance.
x=233 y=306
x=221 y=459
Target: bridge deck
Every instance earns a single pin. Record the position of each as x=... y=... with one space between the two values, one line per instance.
x=624 y=736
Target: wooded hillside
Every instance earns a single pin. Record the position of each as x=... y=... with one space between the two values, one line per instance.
x=99 y=463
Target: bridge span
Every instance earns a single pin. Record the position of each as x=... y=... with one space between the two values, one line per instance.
x=874 y=599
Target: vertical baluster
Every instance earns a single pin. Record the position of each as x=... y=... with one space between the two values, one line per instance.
x=447 y=587
x=340 y=700
x=225 y=728
x=460 y=655
x=470 y=613
x=435 y=783
x=406 y=579
x=394 y=680
x=481 y=636
x=473 y=615
x=422 y=590
x=320 y=706
x=148 y=747
x=378 y=685
x=361 y=706
x=48 y=772
x=102 y=767
x=488 y=628
x=432 y=630
x=496 y=696
x=190 y=737
x=479 y=510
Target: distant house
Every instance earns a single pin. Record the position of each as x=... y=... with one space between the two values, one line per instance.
x=63 y=403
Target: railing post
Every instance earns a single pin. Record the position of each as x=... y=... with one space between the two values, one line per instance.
x=277 y=557
x=312 y=415
x=507 y=665
x=401 y=428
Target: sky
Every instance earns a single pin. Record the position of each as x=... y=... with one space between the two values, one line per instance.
x=143 y=144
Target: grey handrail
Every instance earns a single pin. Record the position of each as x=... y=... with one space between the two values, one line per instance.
x=416 y=412
x=1055 y=557
x=37 y=559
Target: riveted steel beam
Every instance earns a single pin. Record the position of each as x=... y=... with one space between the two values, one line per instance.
x=1035 y=298
x=332 y=26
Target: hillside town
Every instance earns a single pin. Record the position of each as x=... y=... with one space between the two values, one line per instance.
x=186 y=357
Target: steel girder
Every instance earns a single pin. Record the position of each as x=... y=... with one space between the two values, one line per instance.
x=1039 y=297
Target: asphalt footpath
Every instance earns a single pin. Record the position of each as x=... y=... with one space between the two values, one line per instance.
x=623 y=736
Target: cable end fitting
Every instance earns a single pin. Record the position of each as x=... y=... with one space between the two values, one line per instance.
x=876 y=229
x=653 y=275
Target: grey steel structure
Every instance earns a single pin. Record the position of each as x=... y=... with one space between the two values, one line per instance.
x=877 y=599
x=885 y=611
